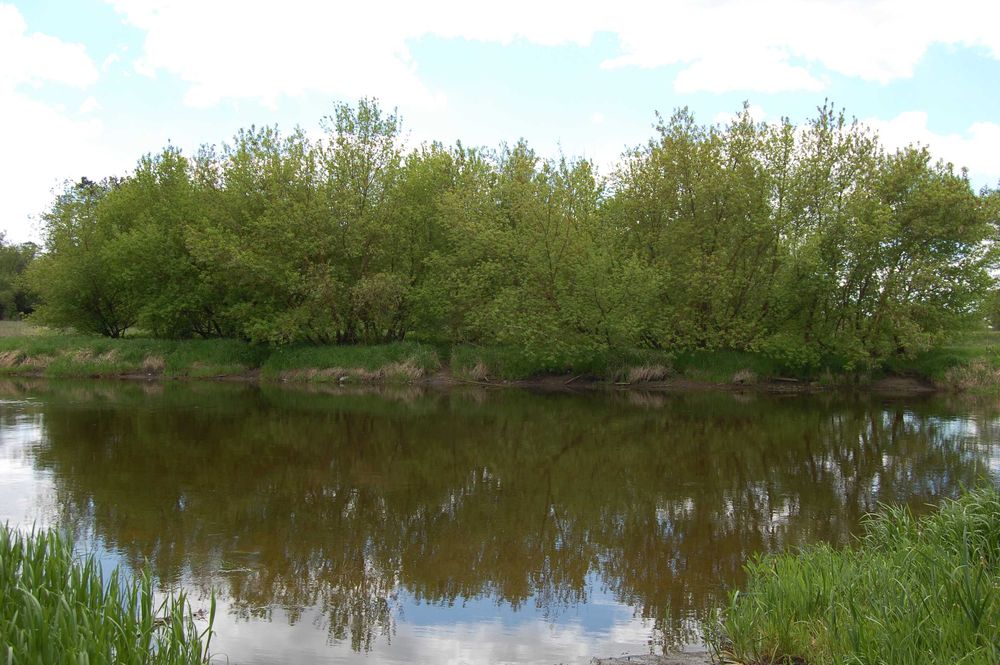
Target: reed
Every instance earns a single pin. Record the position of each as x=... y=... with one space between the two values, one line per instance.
x=914 y=590
x=57 y=607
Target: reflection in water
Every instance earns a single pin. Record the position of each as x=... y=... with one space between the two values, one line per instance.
x=425 y=519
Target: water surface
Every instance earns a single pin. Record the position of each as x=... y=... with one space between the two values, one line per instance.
x=465 y=526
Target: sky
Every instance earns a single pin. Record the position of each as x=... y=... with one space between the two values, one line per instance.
x=89 y=86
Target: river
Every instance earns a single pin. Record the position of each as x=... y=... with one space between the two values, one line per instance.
x=465 y=526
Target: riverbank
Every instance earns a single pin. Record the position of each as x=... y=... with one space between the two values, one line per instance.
x=971 y=363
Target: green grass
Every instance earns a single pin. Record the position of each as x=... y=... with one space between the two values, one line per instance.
x=722 y=366
x=618 y=365
x=510 y=364
x=914 y=590
x=396 y=361
x=963 y=350
x=67 y=356
x=58 y=608
x=21 y=329
x=969 y=362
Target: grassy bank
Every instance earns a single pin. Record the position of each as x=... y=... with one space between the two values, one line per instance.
x=915 y=590
x=403 y=362
x=971 y=362
x=58 y=608
x=69 y=356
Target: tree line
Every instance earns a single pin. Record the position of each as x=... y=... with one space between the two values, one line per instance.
x=803 y=242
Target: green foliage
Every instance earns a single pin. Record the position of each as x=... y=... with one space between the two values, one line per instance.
x=723 y=365
x=15 y=301
x=82 y=279
x=810 y=246
x=914 y=591
x=991 y=308
x=60 y=608
x=299 y=240
x=821 y=245
x=964 y=350
x=514 y=363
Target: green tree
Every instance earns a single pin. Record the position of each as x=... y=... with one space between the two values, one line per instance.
x=15 y=300
x=156 y=208
x=301 y=238
x=81 y=279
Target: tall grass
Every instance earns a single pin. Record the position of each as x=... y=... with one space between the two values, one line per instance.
x=969 y=361
x=915 y=590
x=67 y=355
x=21 y=329
x=397 y=361
x=58 y=608
x=511 y=363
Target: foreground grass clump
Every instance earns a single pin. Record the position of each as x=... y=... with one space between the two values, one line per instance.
x=57 y=608
x=915 y=590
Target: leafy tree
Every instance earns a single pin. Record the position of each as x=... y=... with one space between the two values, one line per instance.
x=298 y=237
x=15 y=301
x=81 y=279
x=159 y=205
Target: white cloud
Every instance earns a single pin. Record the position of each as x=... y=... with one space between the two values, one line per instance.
x=110 y=60
x=36 y=58
x=89 y=105
x=44 y=144
x=48 y=147
x=235 y=49
x=597 y=118
x=524 y=637
x=260 y=49
x=762 y=72
x=976 y=149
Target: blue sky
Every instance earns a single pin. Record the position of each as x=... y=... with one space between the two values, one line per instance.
x=87 y=86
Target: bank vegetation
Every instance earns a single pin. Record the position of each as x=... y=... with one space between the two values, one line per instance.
x=811 y=246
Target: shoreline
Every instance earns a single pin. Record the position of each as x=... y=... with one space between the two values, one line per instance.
x=443 y=378
x=54 y=356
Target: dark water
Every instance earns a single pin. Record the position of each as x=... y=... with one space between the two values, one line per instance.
x=465 y=527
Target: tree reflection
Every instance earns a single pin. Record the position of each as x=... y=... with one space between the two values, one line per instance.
x=350 y=503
